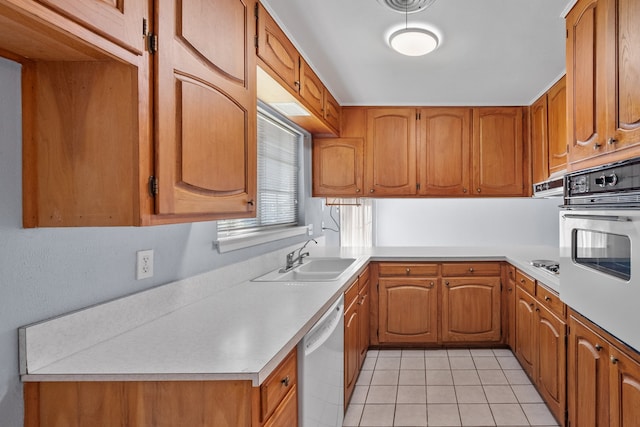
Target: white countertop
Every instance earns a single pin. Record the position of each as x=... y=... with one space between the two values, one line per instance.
x=244 y=331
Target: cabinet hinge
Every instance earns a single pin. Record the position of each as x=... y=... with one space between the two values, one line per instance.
x=377 y=333
x=418 y=116
x=144 y=26
x=567 y=33
x=153 y=186
x=255 y=41
x=152 y=43
x=418 y=186
x=378 y=286
x=256 y=11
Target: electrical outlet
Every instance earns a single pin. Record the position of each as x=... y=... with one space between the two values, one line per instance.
x=144 y=264
x=310 y=229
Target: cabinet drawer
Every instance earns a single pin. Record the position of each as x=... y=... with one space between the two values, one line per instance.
x=275 y=388
x=351 y=294
x=286 y=415
x=525 y=282
x=363 y=279
x=405 y=269
x=550 y=300
x=471 y=269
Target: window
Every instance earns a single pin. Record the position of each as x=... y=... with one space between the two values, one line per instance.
x=278 y=170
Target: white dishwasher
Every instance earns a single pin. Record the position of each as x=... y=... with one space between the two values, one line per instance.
x=321 y=371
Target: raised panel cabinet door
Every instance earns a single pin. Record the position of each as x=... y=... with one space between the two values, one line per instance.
x=311 y=89
x=539 y=140
x=390 y=150
x=351 y=350
x=445 y=151
x=498 y=151
x=364 y=307
x=408 y=310
x=206 y=109
x=277 y=51
x=332 y=110
x=586 y=99
x=338 y=166
x=587 y=376
x=471 y=309
x=525 y=328
x=511 y=305
x=625 y=15
x=557 y=126
x=550 y=366
x=624 y=392
x=117 y=20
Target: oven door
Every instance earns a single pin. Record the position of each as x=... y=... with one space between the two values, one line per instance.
x=600 y=268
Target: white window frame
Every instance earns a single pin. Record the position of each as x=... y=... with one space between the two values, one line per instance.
x=231 y=240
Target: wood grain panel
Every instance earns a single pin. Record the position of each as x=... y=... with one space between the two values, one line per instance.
x=351 y=347
x=539 y=141
x=551 y=361
x=311 y=89
x=279 y=383
x=525 y=328
x=624 y=392
x=557 y=126
x=338 y=166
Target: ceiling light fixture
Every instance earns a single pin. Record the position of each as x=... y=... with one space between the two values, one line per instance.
x=413 y=41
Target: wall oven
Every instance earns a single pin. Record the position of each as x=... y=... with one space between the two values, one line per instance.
x=600 y=247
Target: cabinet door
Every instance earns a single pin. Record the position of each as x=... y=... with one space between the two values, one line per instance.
x=363 y=321
x=624 y=392
x=498 y=151
x=332 y=110
x=351 y=350
x=338 y=166
x=557 y=126
x=551 y=359
x=207 y=112
x=120 y=21
x=539 y=141
x=408 y=310
x=277 y=51
x=586 y=98
x=511 y=305
x=587 y=377
x=445 y=145
x=471 y=309
x=391 y=151
x=286 y=415
x=525 y=327
x=624 y=15
x=311 y=89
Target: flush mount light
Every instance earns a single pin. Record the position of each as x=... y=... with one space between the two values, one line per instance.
x=413 y=41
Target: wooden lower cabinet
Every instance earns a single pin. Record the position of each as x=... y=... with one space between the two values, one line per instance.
x=511 y=305
x=587 y=376
x=408 y=310
x=166 y=403
x=624 y=390
x=524 y=330
x=351 y=344
x=364 y=308
x=551 y=360
x=471 y=309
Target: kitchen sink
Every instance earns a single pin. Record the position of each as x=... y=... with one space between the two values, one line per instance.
x=311 y=270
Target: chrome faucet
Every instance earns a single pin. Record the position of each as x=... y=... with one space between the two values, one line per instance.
x=294 y=262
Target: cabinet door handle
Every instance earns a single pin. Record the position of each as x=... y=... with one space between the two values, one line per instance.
x=522 y=280
x=408 y=271
x=357 y=190
x=250 y=202
x=471 y=270
x=431 y=285
x=464 y=190
x=371 y=191
x=510 y=289
x=598 y=347
x=285 y=381
x=537 y=310
x=446 y=283
x=478 y=190
x=546 y=298
x=597 y=146
x=614 y=360
x=611 y=141
x=531 y=304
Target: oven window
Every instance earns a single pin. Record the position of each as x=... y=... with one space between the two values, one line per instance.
x=606 y=252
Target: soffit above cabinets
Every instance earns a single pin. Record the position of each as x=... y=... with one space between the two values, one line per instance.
x=492 y=52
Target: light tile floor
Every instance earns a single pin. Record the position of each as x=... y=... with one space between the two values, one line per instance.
x=437 y=388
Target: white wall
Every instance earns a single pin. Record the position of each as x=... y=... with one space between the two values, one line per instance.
x=466 y=222
x=47 y=272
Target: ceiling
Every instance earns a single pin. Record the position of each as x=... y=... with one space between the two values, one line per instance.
x=492 y=52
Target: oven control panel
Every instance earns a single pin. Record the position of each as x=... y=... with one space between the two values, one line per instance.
x=616 y=184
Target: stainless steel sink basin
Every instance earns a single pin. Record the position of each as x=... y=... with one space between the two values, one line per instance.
x=311 y=270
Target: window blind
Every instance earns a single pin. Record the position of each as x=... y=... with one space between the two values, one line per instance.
x=278 y=158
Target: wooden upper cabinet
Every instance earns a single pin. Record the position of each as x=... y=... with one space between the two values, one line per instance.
x=117 y=20
x=444 y=147
x=338 y=165
x=557 y=126
x=311 y=89
x=277 y=51
x=332 y=111
x=391 y=152
x=408 y=310
x=603 y=81
x=471 y=309
x=585 y=76
x=539 y=140
x=498 y=151
x=206 y=121
x=624 y=46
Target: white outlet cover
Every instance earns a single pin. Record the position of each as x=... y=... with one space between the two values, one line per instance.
x=144 y=264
